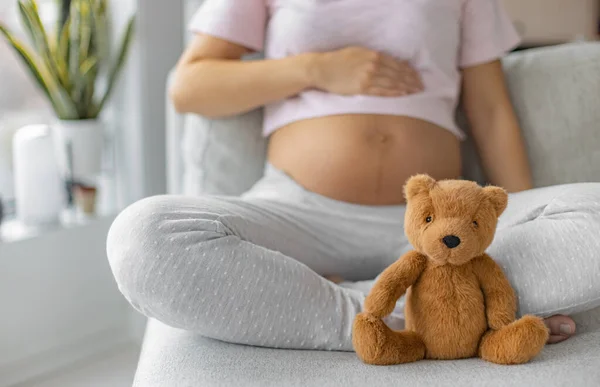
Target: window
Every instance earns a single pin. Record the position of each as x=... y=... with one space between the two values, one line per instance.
x=21 y=102
x=74 y=257
x=135 y=114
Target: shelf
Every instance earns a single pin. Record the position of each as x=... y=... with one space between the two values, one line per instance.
x=13 y=231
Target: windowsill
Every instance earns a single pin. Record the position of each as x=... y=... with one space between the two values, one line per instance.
x=61 y=294
x=12 y=231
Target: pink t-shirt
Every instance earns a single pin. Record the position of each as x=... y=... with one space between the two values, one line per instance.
x=438 y=37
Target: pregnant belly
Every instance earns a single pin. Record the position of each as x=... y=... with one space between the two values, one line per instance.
x=363 y=159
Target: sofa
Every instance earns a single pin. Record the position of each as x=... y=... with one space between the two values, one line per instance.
x=556 y=93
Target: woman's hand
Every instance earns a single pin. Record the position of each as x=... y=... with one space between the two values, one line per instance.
x=356 y=70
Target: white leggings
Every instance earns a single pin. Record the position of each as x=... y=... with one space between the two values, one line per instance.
x=249 y=270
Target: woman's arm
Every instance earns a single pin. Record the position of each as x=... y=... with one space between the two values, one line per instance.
x=494 y=127
x=212 y=81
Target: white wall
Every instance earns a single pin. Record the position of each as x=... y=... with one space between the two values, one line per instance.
x=124 y=116
x=59 y=302
x=554 y=21
x=138 y=108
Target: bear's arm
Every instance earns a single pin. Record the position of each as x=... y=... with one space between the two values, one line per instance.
x=393 y=283
x=500 y=299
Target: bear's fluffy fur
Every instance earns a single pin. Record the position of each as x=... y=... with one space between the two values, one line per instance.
x=459 y=303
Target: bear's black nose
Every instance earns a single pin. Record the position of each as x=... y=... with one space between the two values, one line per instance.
x=451 y=241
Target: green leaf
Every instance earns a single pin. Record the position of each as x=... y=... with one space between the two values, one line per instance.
x=63 y=7
x=100 y=32
x=44 y=80
x=90 y=71
x=74 y=41
x=27 y=58
x=88 y=65
x=62 y=55
x=102 y=29
x=75 y=60
x=31 y=18
x=85 y=43
x=67 y=67
x=118 y=65
x=26 y=23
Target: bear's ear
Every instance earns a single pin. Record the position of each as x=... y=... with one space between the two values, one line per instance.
x=498 y=197
x=417 y=185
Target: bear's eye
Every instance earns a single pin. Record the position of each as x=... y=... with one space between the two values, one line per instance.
x=428 y=219
x=475 y=223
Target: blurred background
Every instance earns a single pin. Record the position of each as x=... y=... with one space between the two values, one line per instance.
x=62 y=320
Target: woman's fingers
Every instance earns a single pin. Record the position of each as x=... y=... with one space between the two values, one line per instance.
x=395 y=74
x=400 y=84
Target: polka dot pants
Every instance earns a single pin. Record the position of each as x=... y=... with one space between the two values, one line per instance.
x=250 y=270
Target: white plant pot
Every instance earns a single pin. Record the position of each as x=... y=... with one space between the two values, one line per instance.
x=87 y=143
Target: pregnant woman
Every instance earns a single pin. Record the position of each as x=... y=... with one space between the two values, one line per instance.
x=359 y=95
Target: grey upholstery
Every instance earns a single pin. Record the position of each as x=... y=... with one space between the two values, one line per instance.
x=556 y=92
x=176 y=358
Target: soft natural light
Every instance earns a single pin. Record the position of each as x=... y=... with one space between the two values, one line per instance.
x=21 y=102
x=288 y=192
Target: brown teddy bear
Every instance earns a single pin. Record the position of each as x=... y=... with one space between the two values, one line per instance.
x=459 y=304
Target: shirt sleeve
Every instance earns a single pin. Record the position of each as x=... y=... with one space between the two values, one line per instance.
x=487 y=33
x=241 y=22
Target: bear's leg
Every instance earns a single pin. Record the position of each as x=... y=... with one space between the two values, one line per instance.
x=375 y=343
x=515 y=343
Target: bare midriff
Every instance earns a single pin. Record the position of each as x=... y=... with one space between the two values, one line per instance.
x=363 y=159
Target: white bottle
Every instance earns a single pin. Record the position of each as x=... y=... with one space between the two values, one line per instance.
x=39 y=190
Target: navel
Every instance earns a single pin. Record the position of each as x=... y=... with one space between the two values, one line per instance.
x=384 y=138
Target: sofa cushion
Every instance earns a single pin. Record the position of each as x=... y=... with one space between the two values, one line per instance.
x=224 y=156
x=175 y=358
x=556 y=94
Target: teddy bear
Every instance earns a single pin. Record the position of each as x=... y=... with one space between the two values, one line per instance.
x=459 y=303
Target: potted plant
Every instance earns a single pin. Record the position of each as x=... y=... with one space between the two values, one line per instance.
x=74 y=68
